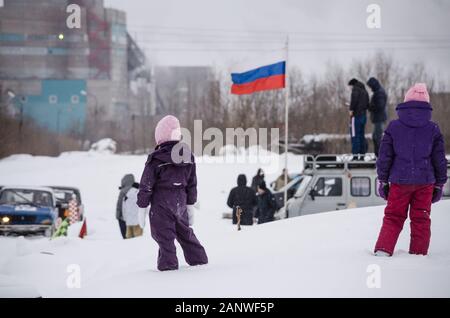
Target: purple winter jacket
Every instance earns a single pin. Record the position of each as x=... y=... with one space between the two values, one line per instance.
x=412 y=149
x=166 y=182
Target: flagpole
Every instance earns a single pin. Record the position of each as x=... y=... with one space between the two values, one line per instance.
x=286 y=123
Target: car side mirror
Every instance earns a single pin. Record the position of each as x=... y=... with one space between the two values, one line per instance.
x=312 y=194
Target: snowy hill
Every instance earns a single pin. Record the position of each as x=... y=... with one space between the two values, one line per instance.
x=327 y=254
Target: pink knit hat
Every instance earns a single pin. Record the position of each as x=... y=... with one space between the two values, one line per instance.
x=167 y=129
x=418 y=92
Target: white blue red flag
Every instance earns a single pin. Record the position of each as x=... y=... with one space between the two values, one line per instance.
x=258 y=77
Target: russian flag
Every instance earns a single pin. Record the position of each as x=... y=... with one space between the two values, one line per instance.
x=268 y=77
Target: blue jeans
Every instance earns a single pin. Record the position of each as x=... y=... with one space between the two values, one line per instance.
x=376 y=136
x=357 y=133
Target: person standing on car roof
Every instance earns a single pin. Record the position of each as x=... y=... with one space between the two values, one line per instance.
x=359 y=103
x=126 y=184
x=377 y=109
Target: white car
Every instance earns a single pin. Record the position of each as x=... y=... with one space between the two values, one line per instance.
x=336 y=182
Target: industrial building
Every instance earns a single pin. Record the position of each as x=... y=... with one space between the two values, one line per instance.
x=60 y=76
x=181 y=89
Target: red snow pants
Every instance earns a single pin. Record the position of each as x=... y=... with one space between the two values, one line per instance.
x=401 y=198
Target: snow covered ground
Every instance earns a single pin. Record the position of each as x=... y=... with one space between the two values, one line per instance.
x=319 y=255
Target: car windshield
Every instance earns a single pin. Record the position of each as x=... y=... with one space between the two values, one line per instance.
x=25 y=196
x=294 y=183
x=304 y=184
x=65 y=195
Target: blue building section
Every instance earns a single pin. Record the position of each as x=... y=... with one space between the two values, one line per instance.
x=60 y=108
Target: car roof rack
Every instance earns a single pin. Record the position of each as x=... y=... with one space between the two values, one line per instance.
x=339 y=161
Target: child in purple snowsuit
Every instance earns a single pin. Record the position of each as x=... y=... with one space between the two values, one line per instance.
x=412 y=171
x=169 y=184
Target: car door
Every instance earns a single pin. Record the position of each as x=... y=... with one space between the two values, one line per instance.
x=294 y=204
x=292 y=188
x=326 y=194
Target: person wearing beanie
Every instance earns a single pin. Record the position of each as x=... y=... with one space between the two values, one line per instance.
x=377 y=109
x=167 y=129
x=266 y=204
x=412 y=171
x=169 y=185
x=359 y=102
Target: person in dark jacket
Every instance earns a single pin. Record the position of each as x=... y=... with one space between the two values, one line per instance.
x=359 y=102
x=266 y=204
x=377 y=109
x=257 y=179
x=125 y=186
x=243 y=197
x=412 y=159
x=169 y=184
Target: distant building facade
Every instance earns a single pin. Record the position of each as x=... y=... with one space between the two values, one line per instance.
x=61 y=76
x=179 y=89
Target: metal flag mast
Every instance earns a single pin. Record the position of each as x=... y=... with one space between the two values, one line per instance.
x=286 y=121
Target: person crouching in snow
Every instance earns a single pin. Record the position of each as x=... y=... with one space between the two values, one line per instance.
x=169 y=185
x=130 y=212
x=412 y=159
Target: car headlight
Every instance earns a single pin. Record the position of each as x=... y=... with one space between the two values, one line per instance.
x=5 y=220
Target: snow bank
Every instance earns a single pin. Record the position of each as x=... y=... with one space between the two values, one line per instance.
x=106 y=145
x=326 y=255
x=229 y=150
x=17 y=157
x=327 y=137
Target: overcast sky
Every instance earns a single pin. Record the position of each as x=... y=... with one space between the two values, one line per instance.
x=222 y=32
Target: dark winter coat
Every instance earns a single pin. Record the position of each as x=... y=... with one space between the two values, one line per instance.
x=125 y=185
x=359 y=101
x=377 y=105
x=412 y=149
x=169 y=183
x=244 y=197
x=166 y=182
x=266 y=207
x=256 y=181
